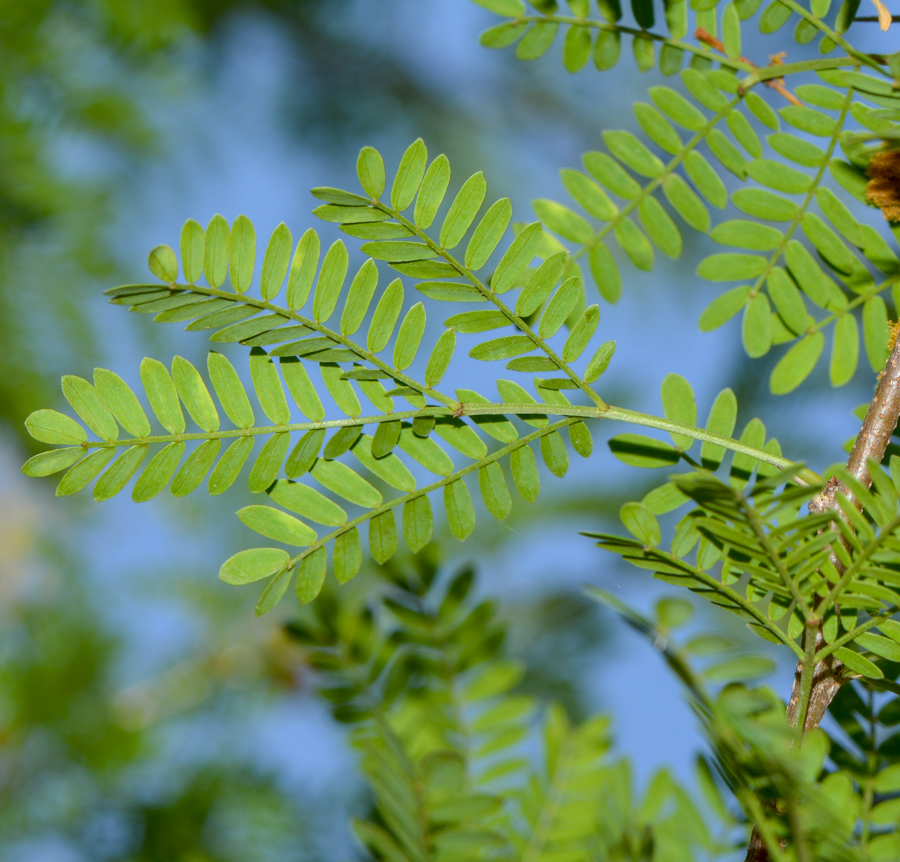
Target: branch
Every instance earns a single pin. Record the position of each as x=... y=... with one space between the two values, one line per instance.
x=814 y=689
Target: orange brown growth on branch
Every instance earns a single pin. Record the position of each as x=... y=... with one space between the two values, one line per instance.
x=776 y=84
x=883 y=188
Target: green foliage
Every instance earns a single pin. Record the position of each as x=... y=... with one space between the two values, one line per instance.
x=357 y=425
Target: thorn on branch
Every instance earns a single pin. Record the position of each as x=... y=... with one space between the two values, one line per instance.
x=776 y=84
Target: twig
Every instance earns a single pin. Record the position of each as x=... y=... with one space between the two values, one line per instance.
x=776 y=84
x=871 y=443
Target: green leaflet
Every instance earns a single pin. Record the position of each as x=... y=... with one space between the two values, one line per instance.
x=387 y=435
x=765 y=205
x=582 y=441
x=122 y=402
x=641 y=523
x=540 y=284
x=707 y=181
x=385 y=317
x=808 y=120
x=275 y=524
x=331 y=281
x=52 y=461
x=162 y=395
x=345 y=482
x=537 y=40
x=301 y=388
x=409 y=175
x=229 y=390
x=778 y=176
x=268 y=387
x=607 y=49
x=217 y=251
x=448 y=291
x=157 y=473
x=845 y=350
x=440 y=358
x=797 y=364
x=502 y=348
x=307 y=502
x=494 y=491
x=275 y=263
x=370 y=168
x=642 y=46
x=633 y=242
x=494 y=426
x=229 y=466
x=797 y=150
x=311 y=575
x=418 y=523
x=581 y=334
x=576 y=49
x=274 y=592
x=359 y=297
x=525 y=473
x=253 y=565
x=630 y=151
x=431 y=194
x=679 y=405
x=747 y=234
x=677 y=108
x=194 y=395
x=83 y=472
x=593 y=199
x=341 y=441
x=605 y=272
x=347 y=556
x=757 y=326
x=118 y=474
x=231 y=314
x=463 y=210
x=243 y=253
x=268 y=463
x=164 y=264
x=553 y=451
x=303 y=269
x=461 y=437
x=341 y=390
x=304 y=453
x=195 y=468
x=787 y=300
x=559 y=219
x=383 y=536
x=599 y=362
x=638 y=450
x=807 y=273
x=610 y=174
x=460 y=511
x=426 y=452
x=875 y=332
x=731 y=267
x=657 y=128
x=409 y=337
x=387 y=467
x=686 y=203
x=560 y=306
x=487 y=235
x=193 y=247
x=89 y=406
x=660 y=227
x=50 y=426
